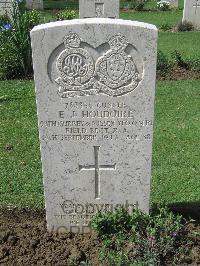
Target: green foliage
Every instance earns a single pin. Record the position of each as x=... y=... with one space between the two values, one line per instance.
x=164 y=65
x=15 y=43
x=66 y=15
x=165 y=27
x=185 y=26
x=158 y=239
x=194 y=63
x=147 y=239
x=189 y=63
x=137 y=5
x=9 y=59
x=112 y=223
x=176 y=55
x=3 y=19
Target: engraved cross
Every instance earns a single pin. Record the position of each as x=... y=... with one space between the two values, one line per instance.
x=197 y=4
x=99 y=9
x=97 y=167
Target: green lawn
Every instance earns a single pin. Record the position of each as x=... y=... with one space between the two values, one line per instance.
x=158 y=18
x=21 y=178
x=185 y=42
x=176 y=164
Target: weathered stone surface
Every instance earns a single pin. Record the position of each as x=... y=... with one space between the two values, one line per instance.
x=95 y=86
x=99 y=8
x=191 y=12
x=34 y=4
x=173 y=3
x=6 y=7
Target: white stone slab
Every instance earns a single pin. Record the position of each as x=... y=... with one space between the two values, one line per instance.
x=34 y=4
x=95 y=86
x=6 y=7
x=173 y=3
x=99 y=8
x=191 y=12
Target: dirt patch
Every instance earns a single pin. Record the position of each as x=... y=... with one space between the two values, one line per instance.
x=24 y=240
x=179 y=73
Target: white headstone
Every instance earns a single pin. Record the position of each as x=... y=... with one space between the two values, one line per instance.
x=99 y=8
x=6 y=7
x=95 y=86
x=191 y=12
x=34 y=4
x=173 y=3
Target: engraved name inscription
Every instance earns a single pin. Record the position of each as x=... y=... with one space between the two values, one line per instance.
x=81 y=121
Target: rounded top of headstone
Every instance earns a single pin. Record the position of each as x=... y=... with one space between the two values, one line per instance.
x=89 y=21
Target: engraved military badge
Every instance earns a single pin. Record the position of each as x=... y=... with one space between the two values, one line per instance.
x=116 y=69
x=75 y=67
x=113 y=74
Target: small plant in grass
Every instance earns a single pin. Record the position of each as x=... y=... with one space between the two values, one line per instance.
x=176 y=55
x=194 y=63
x=163 y=5
x=164 y=65
x=15 y=43
x=165 y=27
x=138 y=238
x=66 y=15
x=185 y=26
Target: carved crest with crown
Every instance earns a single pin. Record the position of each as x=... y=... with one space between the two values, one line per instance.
x=113 y=74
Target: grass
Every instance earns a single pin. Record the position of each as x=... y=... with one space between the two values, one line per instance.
x=185 y=42
x=176 y=166
x=158 y=18
x=21 y=178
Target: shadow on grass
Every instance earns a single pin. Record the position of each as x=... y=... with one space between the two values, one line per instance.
x=186 y=209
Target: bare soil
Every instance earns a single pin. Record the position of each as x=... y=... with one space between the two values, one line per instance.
x=24 y=240
x=180 y=73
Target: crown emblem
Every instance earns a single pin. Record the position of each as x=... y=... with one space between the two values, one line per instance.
x=72 y=40
x=118 y=42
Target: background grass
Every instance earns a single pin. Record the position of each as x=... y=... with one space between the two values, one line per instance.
x=185 y=42
x=21 y=177
x=176 y=164
x=158 y=18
